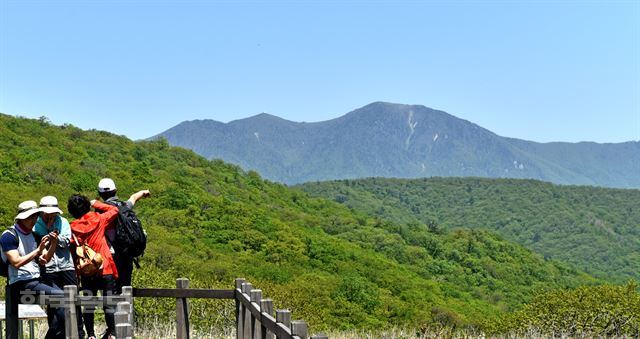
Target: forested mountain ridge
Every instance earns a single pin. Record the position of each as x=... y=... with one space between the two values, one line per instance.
x=404 y=141
x=212 y=222
x=596 y=229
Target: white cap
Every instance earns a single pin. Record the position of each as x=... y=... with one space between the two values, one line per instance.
x=26 y=209
x=49 y=204
x=106 y=185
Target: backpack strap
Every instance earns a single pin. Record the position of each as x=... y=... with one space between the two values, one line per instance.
x=116 y=203
x=82 y=246
x=75 y=239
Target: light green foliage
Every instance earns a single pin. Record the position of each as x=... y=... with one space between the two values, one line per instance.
x=605 y=310
x=332 y=266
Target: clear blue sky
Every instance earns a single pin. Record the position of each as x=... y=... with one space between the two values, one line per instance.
x=536 y=70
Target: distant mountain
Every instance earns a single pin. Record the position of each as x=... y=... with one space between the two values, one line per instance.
x=407 y=141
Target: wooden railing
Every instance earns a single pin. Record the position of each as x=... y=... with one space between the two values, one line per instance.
x=254 y=315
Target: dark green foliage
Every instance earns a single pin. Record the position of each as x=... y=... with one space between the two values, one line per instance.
x=211 y=222
x=595 y=229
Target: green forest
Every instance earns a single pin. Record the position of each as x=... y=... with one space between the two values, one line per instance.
x=594 y=229
x=335 y=266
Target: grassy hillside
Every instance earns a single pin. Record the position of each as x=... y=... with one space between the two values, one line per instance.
x=212 y=222
x=596 y=229
x=598 y=311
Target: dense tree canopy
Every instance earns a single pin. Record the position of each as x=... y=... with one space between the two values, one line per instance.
x=595 y=229
x=332 y=266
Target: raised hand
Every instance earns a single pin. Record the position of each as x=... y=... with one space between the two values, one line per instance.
x=43 y=243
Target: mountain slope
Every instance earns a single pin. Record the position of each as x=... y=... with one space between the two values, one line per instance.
x=211 y=222
x=595 y=229
x=408 y=141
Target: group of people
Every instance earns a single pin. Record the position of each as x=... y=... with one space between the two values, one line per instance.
x=38 y=251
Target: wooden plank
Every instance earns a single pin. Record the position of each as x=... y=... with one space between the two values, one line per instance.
x=184 y=293
x=279 y=330
x=256 y=296
x=182 y=311
x=284 y=317
x=239 y=319
x=239 y=282
x=240 y=299
x=122 y=318
x=70 y=316
x=239 y=309
x=122 y=331
x=266 y=306
x=248 y=316
x=252 y=309
x=127 y=293
x=299 y=328
x=123 y=306
x=246 y=288
x=122 y=324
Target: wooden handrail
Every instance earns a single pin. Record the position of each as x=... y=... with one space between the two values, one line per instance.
x=183 y=293
x=254 y=315
x=267 y=320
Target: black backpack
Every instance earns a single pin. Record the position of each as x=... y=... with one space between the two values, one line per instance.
x=131 y=240
x=4 y=266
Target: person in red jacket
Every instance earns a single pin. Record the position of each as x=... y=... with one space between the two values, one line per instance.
x=89 y=228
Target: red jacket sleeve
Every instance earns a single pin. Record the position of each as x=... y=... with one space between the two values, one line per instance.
x=110 y=214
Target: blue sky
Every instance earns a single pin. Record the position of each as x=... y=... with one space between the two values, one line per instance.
x=536 y=70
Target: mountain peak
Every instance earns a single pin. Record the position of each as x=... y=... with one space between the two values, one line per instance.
x=264 y=115
x=262 y=118
x=384 y=139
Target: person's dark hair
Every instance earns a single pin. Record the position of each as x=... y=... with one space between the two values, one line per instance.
x=107 y=195
x=78 y=205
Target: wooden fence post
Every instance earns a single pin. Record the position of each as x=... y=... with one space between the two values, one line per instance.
x=284 y=317
x=182 y=311
x=240 y=309
x=299 y=328
x=127 y=292
x=70 y=316
x=256 y=327
x=248 y=318
x=266 y=306
x=124 y=329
